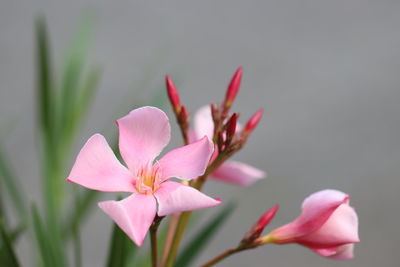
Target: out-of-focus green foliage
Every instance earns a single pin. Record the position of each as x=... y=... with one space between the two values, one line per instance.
x=51 y=253
x=61 y=108
x=64 y=96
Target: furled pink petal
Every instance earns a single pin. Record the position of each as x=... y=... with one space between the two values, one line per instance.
x=326 y=252
x=174 y=197
x=237 y=173
x=316 y=210
x=96 y=167
x=344 y=252
x=134 y=214
x=187 y=162
x=341 y=228
x=203 y=123
x=143 y=134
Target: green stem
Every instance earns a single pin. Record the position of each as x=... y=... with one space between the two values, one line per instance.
x=153 y=241
x=173 y=224
x=221 y=256
x=177 y=238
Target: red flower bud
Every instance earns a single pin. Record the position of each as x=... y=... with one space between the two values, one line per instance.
x=253 y=121
x=231 y=128
x=173 y=94
x=233 y=88
x=184 y=115
x=258 y=228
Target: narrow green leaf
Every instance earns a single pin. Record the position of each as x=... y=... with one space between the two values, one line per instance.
x=44 y=81
x=7 y=254
x=121 y=248
x=200 y=240
x=11 y=187
x=43 y=242
x=47 y=114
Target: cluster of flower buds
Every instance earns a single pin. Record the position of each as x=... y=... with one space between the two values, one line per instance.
x=227 y=134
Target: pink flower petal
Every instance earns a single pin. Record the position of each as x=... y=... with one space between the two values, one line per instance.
x=187 y=162
x=134 y=215
x=96 y=167
x=143 y=134
x=203 y=123
x=237 y=173
x=174 y=197
x=345 y=252
x=326 y=252
x=316 y=210
x=341 y=228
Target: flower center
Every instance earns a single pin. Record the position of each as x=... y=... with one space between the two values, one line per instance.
x=148 y=179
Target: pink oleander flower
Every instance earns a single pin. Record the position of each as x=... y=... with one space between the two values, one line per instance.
x=327 y=224
x=233 y=172
x=143 y=134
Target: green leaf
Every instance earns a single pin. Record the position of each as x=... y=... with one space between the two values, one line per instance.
x=43 y=241
x=11 y=187
x=121 y=248
x=44 y=81
x=7 y=254
x=200 y=240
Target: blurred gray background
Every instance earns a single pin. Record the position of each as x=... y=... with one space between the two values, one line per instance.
x=326 y=73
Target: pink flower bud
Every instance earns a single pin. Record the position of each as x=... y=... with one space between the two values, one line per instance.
x=233 y=88
x=173 y=94
x=258 y=228
x=327 y=225
x=253 y=121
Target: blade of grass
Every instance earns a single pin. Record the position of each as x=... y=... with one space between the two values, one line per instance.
x=7 y=253
x=206 y=233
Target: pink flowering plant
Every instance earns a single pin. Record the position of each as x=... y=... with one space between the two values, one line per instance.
x=327 y=224
x=157 y=194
